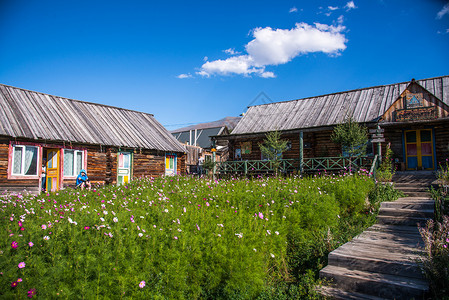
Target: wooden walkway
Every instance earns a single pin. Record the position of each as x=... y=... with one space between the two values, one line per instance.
x=381 y=263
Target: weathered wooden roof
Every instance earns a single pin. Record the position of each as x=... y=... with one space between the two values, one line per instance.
x=34 y=115
x=364 y=105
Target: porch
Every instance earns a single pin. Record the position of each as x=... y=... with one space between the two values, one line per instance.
x=298 y=166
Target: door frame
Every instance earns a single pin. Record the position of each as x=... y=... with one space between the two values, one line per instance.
x=418 y=148
x=57 y=171
x=124 y=171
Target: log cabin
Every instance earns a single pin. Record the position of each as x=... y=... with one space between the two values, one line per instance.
x=412 y=119
x=46 y=140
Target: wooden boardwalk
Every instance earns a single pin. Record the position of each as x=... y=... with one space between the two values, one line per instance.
x=381 y=263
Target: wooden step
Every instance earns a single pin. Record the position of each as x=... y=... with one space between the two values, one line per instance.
x=405 y=212
x=339 y=294
x=376 y=284
x=399 y=265
x=407 y=204
x=399 y=220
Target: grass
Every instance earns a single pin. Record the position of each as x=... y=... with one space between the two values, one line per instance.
x=180 y=238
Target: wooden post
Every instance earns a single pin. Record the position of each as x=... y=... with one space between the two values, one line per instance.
x=301 y=152
x=214 y=170
x=246 y=167
x=379 y=146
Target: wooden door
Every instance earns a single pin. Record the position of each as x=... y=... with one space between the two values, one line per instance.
x=53 y=168
x=124 y=164
x=419 y=149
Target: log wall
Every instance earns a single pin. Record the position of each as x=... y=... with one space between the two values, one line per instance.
x=101 y=166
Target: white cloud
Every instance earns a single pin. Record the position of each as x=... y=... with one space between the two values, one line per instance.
x=184 y=76
x=340 y=19
x=443 y=11
x=230 y=51
x=332 y=8
x=293 y=9
x=350 y=5
x=278 y=46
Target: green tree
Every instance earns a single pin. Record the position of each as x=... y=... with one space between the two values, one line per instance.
x=352 y=137
x=272 y=148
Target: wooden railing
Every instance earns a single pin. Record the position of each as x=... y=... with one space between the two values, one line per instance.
x=291 y=165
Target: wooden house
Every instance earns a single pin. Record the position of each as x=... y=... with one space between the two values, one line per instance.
x=46 y=140
x=198 y=139
x=413 y=118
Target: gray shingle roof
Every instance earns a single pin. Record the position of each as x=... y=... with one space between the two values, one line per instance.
x=35 y=115
x=365 y=105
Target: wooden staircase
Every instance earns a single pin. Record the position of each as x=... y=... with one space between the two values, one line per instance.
x=380 y=263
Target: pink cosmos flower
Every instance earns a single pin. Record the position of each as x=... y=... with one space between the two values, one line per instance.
x=30 y=244
x=14 y=284
x=175 y=237
x=21 y=265
x=142 y=284
x=14 y=245
x=261 y=215
x=44 y=226
x=31 y=293
x=20 y=224
x=19 y=280
x=86 y=227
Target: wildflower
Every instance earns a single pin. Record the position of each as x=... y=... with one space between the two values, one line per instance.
x=101 y=219
x=165 y=210
x=219 y=235
x=110 y=235
x=21 y=265
x=240 y=235
x=31 y=293
x=19 y=280
x=197 y=227
x=86 y=227
x=115 y=219
x=20 y=224
x=269 y=232
x=140 y=234
x=105 y=212
x=175 y=237
x=30 y=244
x=44 y=227
x=14 y=245
x=277 y=232
x=142 y=284
x=261 y=215
x=46 y=237
x=254 y=249
x=14 y=284
x=272 y=255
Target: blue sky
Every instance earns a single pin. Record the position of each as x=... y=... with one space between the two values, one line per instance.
x=190 y=62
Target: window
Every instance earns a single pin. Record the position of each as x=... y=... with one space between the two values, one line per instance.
x=73 y=162
x=24 y=160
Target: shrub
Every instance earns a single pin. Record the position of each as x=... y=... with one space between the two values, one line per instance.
x=436 y=260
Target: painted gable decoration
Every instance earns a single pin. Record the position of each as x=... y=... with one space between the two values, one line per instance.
x=416 y=104
x=413 y=100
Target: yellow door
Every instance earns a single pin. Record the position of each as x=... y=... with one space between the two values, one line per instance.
x=52 y=170
x=419 y=149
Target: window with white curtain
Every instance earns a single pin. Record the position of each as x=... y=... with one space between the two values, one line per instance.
x=24 y=160
x=73 y=162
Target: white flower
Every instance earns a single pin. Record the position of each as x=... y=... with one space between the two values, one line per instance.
x=46 y=237
x=101 y=219
x=254 y=249
x=140 y=234
x=115 y=219
x=166 y=210
x=240 y=235
x=272 y=255
x=269 y=232
x=105 y=212
x=277 y=232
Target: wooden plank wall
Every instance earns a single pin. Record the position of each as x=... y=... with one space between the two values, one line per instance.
x=319 y=145
x=442 y=109
x=101 y=166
